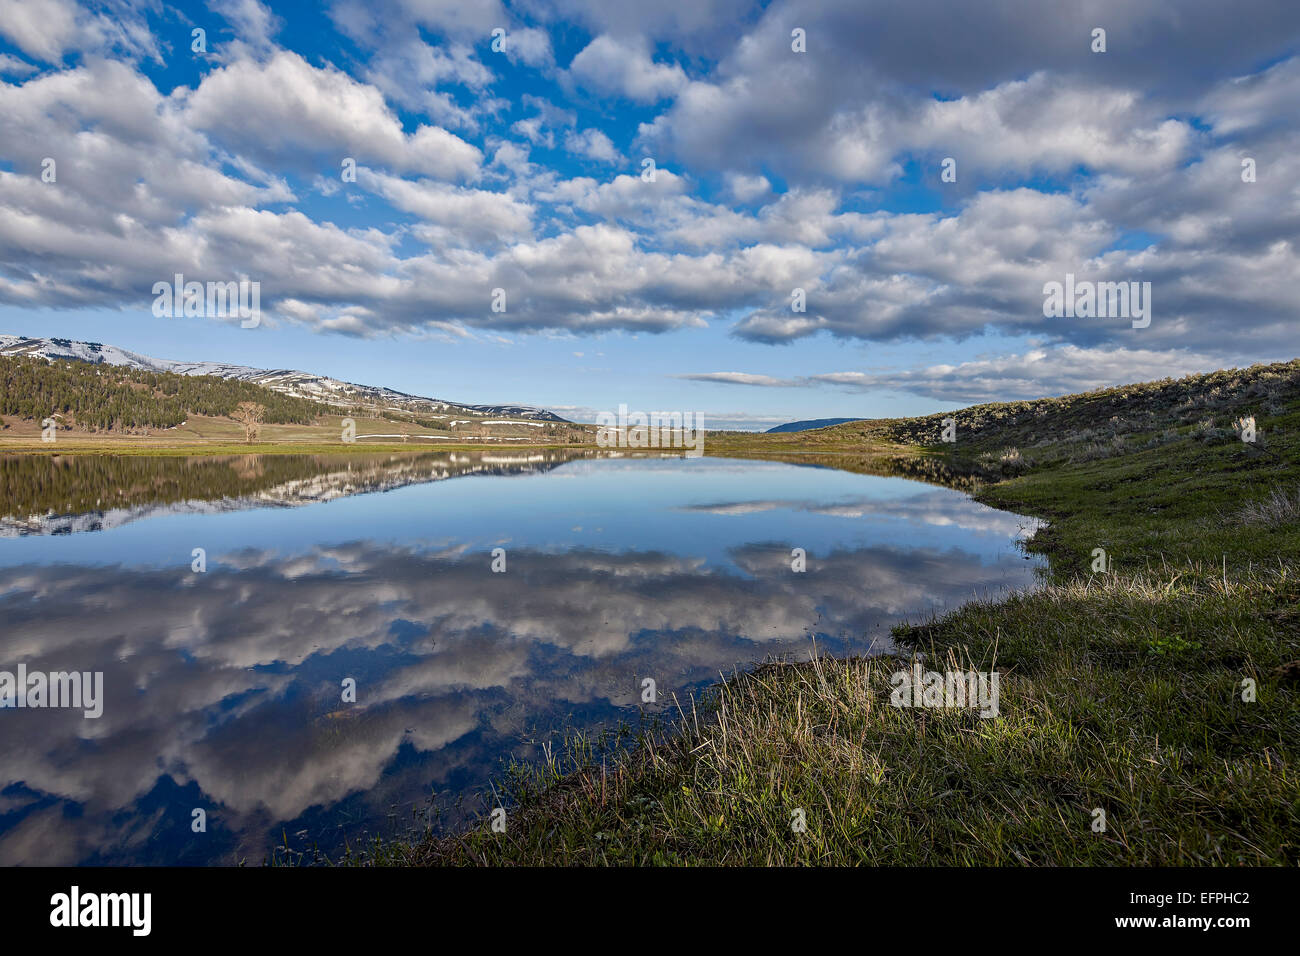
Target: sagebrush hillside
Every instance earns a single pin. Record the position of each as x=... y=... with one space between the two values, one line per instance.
x=1103 y=415
x=1000 y=439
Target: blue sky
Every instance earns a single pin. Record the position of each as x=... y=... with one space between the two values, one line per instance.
x=776 y=168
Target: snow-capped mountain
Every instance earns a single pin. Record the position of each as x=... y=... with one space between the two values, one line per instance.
x=318 y=388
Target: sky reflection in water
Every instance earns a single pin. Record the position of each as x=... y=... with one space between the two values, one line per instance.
x=222 y=688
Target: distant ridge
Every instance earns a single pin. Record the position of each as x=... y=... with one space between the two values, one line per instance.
x=810 y=424
x=320 y=388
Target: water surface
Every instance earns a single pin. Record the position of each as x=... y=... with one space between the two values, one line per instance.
x=223 y=687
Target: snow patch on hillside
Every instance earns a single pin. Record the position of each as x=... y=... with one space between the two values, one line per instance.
x=288 y=381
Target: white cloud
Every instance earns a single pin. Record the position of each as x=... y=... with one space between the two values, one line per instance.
x=529 y=45
x=624 y=68
x=465 y=215
x=255 y=25
x=42 y=29
x=1135 y=188
x=699 y=25
x=593 y=144
x=47 y=30
x=740 y=378
x=275 y=110
x=1033 y=374
x=1044 y=371
x=1047 y=122
x=12 y=66
x=746 y=189
x=409 y=71
x=539 y=129
x=1044 y=123
x=452 y=18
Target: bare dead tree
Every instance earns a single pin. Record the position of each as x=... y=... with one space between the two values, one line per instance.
x=250 y=415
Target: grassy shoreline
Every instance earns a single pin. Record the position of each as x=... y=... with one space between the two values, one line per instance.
x=1121 y=691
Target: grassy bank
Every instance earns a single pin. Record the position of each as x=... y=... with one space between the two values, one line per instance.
x=1121 y=690
x=205 y=435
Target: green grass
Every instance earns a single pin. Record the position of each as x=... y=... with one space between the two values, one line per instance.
x=1120 y=691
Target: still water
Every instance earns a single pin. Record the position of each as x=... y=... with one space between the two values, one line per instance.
x=223 y=687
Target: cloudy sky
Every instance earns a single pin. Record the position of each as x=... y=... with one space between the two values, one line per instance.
x=793 y=145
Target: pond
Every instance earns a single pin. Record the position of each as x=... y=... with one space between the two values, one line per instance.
x=481 y=605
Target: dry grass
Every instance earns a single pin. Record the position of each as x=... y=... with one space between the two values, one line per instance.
x=1281 y=507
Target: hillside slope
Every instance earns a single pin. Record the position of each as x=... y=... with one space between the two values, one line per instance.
x=304 y=385
x=95 y=398
x=1092 y=417
x=1002 y=439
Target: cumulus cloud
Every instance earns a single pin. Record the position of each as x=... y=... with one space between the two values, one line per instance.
x=593 y=144
x=369 y=20
x=746 y=188
x=12 y=66
x=473 y=215
x=254 y=23
x=866 y=89
x=774 y=170
x=47 y=30
x=616 y=67
x=1044 y=371
x=275 y=111
x=1032 y=374
x=409 y=72
x=529 y=45
x=694 y=25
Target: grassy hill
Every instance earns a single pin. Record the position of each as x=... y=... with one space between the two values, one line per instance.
x=112 y=408
x=1159 y=697
x=102 y=398
x=1088 y=417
